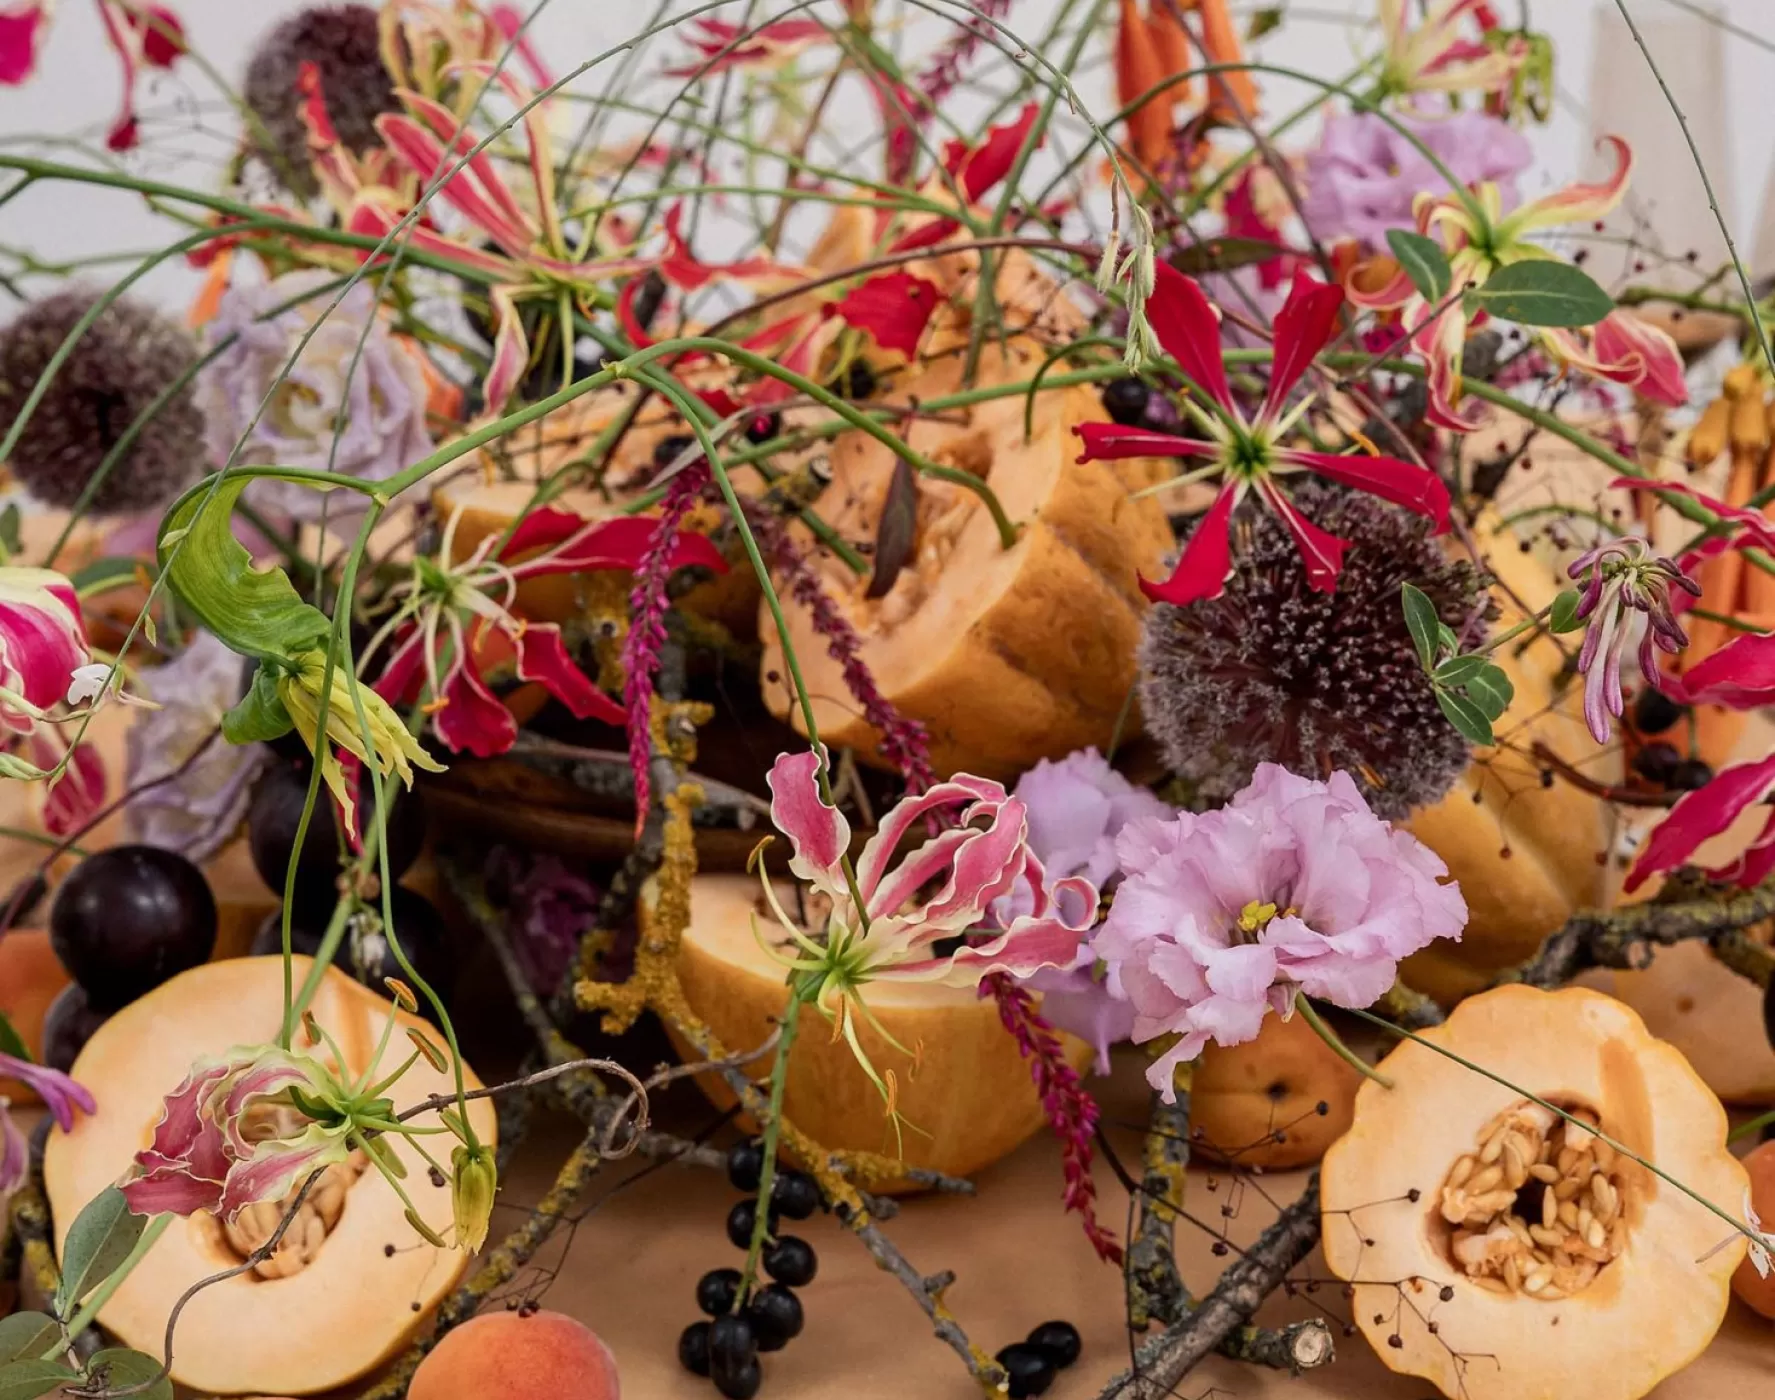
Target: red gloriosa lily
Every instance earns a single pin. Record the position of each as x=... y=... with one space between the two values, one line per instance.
x=1247 y=453
x=143 y=36
x=1703 y=814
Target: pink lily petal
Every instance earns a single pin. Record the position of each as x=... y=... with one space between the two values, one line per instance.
x=511 y=24
x=471 y=718
x=171 y=1191
x=1303 y=326
x=1442 y=343
x=539 y=147
x=1110 y=442
x=982 y=794
x=1740 y=675
x=1207 y=559
x=275 y=1167
x=481 y=175
x=181 y=1127
x=78 y=795
x=511 y=350
x=1577 y=203
x=977 y=169
x=1754 y=528
x=982 y=869
x=465 y=191
x=1626 y=350
x=1320 y=551
x=542 y=657
x=1025 y=948
x=819 y=836
x=370 y=217
x=1700 y=815
x=724 y=44
x=21 y=30
x=1188 y=326
x=1390 y=295
x=894 y=307
x=1404 y=484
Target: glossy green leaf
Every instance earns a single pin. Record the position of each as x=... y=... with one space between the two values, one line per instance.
x=1544 y=292
x=122 y=1368
x=26 y=1336
x=26 y=1380
x=100 y=1239
x=1491 y=690
x=11 y=1043
x=1421 y=621
x=1458 y=670
x=1424 y=262
x=1564 y=617
x=257 y=612
x=1466 y=717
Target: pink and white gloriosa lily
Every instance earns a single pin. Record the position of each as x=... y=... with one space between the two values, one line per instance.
x=1248 y=453
x=1479 y=239
x=439 y=637
x=898 y=922
x=1440 y=53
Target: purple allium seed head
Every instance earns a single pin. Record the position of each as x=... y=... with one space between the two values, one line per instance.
x=342 y=42
x=1274 y=671
x=123 y=363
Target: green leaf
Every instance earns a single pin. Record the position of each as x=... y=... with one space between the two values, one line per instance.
x=9 y=536
x=1466 y=717
x=26 y=1380
x=1564 y=617
x=114 y=572
x=1544 y=292
x=122 y=1368
x=11 y=1042
x=1458 y=670
x=1422 y=622
x=1491 y=690
x=100 y=1239
x=260 y=716
x=27 y=1335
x=1262 y=22
x=1445 y=638
x=1424 y=262
x=256 y=612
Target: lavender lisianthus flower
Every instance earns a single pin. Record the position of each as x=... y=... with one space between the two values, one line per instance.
x=198 y=811
x=1293 y=886
x=1076 y=809
x=372 y=401
x=1363 y=177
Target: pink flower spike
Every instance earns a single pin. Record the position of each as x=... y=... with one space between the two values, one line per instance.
x=819 y=836
x=1189 y=328
x=1701 y=815
x=1415 y=488
x=1206 y=561
x=1304 y=326
x=21 y=31
x=1320 y=551
x=894 y=307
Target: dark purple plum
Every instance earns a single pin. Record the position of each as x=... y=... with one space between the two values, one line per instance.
x=129 y=918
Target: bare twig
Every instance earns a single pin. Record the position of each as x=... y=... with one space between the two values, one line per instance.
x=1156 y=1291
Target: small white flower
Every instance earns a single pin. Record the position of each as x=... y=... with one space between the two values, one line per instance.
x=88 y=682
x=1763 y=1245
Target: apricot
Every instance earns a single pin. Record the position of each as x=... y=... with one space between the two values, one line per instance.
x=1754 y=1291
x=518 y=1356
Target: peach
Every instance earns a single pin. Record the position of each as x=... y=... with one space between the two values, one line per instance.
x=518 y=1356
x=1754 y=1291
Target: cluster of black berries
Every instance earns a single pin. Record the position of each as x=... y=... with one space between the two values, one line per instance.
x=726 y=1348
x=1663 y=763
x=1031 y=1364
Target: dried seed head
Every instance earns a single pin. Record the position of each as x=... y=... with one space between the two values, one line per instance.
x=116 y=372
x=341 y=41
x=1274 y=671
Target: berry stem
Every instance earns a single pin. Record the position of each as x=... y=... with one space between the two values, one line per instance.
x=799 y=993
x=1335 y=1041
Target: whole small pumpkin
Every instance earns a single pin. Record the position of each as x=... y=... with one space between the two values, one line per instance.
x=1274 y=1102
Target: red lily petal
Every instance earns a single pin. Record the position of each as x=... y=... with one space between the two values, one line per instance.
x=1753 y=523
x=511 y=24
x=75 y=797
x=1321 y=551
x=542 y=657
x=617 y=543
x=1740 y=675
x=925 y=236
x=404 y=672
x=466 y=191
x=681 y=267
x=1189 y=329
x=894 y=308
x=1752 y=865
x=978 y=169
x=1700 y=815
x=480 y=172
x=1303 y=326
x=163 y=37
x=471 y=718
x=511 y=350
x=1417 y=489
x=21 y=30
x=1206 y=561
x=1110 y=442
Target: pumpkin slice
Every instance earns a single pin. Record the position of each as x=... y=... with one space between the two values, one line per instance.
x=371 y=1281
x=1007 y=655
x=1475 y=1274
x=959 y=1123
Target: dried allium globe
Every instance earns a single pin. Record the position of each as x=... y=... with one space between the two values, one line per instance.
x=115 y=378
x=1274 y=671
x=342 y=42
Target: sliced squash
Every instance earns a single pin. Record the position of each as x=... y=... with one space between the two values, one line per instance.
x=371 y=1281
x=1434 y=1211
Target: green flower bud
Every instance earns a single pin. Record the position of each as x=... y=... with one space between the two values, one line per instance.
x=471 y=1193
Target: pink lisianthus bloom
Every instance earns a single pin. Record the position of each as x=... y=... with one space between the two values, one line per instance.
x=1249 y=455
x=239 y=1130
x=62 y=1096
x=1294 y=886
x=887 y=924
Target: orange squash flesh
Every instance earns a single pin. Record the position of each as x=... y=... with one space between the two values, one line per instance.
x=1648 y=1312
x=359 y=1301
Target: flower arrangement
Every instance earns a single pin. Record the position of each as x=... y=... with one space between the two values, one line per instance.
x=1077 y=528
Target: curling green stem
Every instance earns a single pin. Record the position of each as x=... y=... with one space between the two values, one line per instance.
x=1335 y=1041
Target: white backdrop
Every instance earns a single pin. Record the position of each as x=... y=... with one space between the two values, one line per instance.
x=1717 y=73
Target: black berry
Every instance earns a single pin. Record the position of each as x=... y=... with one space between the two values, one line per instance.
x=741 y=1220
x=776 y=1316
x=365 y=952
x=762 y=427
x=1688 y=775
x=1125 y=400
x=693 y=1348
x=276 y=813
x=667 y=449
x=67 y=1026
x=1028 y=1370
x=795 y=1195
x=1654 y=711
x=741 y=1383
x=857 y=381
x=1657 y=761
x=791 y=1260
x=1060 y=1340
x=716 y=1290
x=745 y=1164
x=129 y=918
x=733 y=1356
